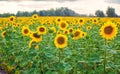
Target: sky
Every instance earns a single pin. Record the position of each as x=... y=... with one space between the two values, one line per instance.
x=79 y=6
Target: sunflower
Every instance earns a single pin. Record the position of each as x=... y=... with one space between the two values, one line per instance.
x=52 y=30
x=18 y=24
x=35 y=16
x=66 y=32
x=25 y=31
x=60 y=41
x=13 y=25
x=83 y=34
x=41 y=30
x=6 y=25
x=59 y=32
x=79 y=27
x=70 y=30
x=58 y=20
x=3 y=34
x=36 y=37
x=108 y=30
x=33 y=43
x=63 y=25
x=88 y=27
x=81 y=21
x=94 y=21
x=12 y=18
x=37 y=46
x=76 y=34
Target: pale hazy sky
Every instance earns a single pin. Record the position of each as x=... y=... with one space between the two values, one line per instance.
x=79 y=6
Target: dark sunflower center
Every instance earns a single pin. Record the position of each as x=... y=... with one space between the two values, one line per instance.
x=41 y=29
x=76 y=34
x=18 y=24
x=63 y=25
x=108 y=30
x=58 y=20
x=11 y=19
x=66 y=32
x=81 y=21
x=58 y=32
x=60 y=40
x=94 y=20
x=89 y=27
x=4 y=33
x=34 y=16
x=83 y=34
x=26 y=31
x=70 y=30
x=36 y=35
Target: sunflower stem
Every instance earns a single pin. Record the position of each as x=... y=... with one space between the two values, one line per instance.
x=42 y=64
x=105 y=58
x=75 y=69
x=104 y=61
x=60 y=58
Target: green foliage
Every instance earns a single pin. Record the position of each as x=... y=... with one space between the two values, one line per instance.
x=111 y=12
x=88 y=55
x=99 y=13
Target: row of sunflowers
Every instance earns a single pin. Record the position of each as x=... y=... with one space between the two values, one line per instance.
x=60 y=45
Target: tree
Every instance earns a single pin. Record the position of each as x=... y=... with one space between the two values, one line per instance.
x=99 y=13
x=59 y=12
x=63 y=11
x=51 y=12
x=42 y=13
x=111 y=12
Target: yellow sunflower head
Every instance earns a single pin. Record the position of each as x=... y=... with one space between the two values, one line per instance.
x=66 y=32
x=81 y=21
x=25 y=31
x=36 y=37
x=77 y=34
x=18 y=24
x=70 y=30
x=109 y=30
x=60 y=41
x=52 y=30
x=63 y=25
x=12 y=18
x=88 y=27
x=41 y=30
x=83 y=34
x=58 y=20
x=13 y=25
x=3 y=34
x=94 y=21
x=35 y=16
x=33 y=44
x=59 y=32
x=6 y=25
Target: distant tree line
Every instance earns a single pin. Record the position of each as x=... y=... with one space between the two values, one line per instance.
x=63 y=11
x=110 y=12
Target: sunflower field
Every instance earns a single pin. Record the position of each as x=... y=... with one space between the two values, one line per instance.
x=60 y=45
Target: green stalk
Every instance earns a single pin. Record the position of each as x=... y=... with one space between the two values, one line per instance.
x=105 y=58
x=60 y=71
x=75 y=68
x=42 y=64
x=59 y=59
x=105 y=61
